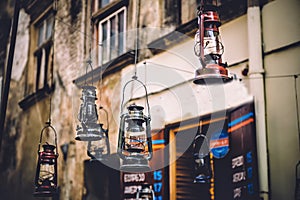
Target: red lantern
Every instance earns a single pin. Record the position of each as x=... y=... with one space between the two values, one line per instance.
x=209 y=48
x=46 y=171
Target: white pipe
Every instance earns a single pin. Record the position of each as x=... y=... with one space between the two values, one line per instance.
x=256 y=71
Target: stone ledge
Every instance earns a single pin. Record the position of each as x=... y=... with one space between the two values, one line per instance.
x=33 y=98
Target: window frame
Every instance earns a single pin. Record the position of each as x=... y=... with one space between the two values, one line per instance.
x=43 y=52
x=107 y=19
x=40 y=62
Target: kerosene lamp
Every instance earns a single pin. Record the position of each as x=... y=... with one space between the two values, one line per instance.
x=209 y=48
x=89 y=130
x=202 y=173
x=135 y=142
x=100 y=149
x=46 y=170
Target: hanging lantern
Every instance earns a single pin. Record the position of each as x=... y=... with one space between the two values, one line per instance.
x=202 y=171
x=135 y=142
x=100 y=149
x=145 y=193
x=209 y=48
x=46 y=171
x=89 y=130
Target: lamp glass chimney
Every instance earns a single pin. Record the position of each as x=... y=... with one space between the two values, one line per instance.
x=135 y=143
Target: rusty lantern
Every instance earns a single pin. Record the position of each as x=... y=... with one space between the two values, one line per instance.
x=135 y=142
x=89 y=130
x=209 y=49
x=46 y=171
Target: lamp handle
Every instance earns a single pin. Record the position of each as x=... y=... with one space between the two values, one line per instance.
x=198 y=147
x=89 y=64
x=48 y=125
x=149 y=138
x=107 y=123
x=121 y=135
x=135 y=79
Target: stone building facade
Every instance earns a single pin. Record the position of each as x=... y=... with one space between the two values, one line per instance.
x=155 y=40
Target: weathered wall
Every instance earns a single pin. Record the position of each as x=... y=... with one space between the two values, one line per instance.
x=23 y=127
x=161 y=74
x=283 y=134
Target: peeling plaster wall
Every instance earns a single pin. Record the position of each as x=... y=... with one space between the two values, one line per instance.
x=18 y=162
x=283 y=133
x=23 y=127
x=22 y=43
x=173 y=97
x=188 y=10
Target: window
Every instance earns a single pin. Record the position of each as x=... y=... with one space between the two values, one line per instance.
x=97 y=4
x=39 y=69
x=42 y=53
x=112 y=36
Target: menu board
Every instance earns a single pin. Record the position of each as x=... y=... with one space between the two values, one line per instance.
x=244 y=169
x=132 y=182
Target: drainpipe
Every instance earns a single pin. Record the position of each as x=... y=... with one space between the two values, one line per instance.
x=256 y=75
x=7 y=74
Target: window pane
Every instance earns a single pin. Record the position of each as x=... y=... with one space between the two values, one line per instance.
x=49 y=28
x=40 y=35
x=112 y=36
x=38 y=68
x=104 y=43
x=121 y=33
x=41 y=70
x=104 y=2
x=113 y=41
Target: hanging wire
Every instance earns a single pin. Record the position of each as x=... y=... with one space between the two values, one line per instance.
x=89 y=64
x=106 y=114
x=50 y=110
x=297 y=105
x=136 y=37
x=136 y=46
x=55 y=6
x=145 y=65
x=90 y=38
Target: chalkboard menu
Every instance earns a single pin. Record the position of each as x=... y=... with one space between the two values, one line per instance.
x=132 y=182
